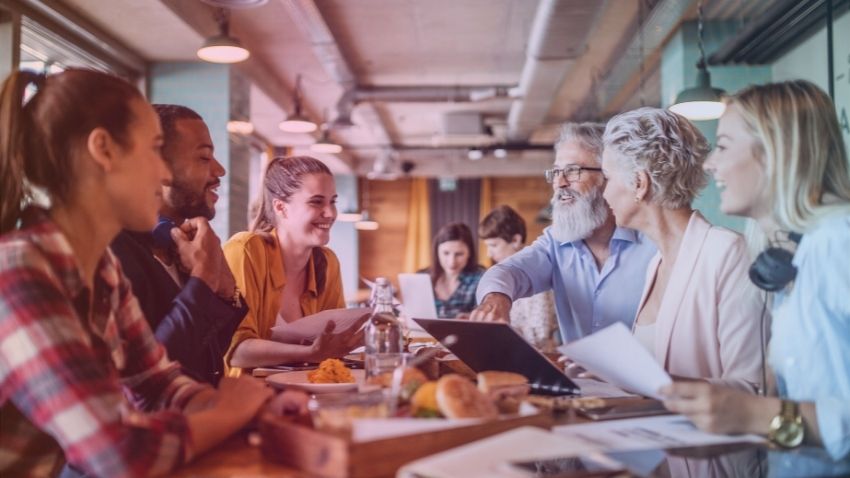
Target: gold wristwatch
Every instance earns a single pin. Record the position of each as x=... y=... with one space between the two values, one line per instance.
x=786 y=428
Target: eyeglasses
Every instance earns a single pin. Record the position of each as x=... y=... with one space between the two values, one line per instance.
x=571 y=173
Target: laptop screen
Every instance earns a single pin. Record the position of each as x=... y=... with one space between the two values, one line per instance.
x=497 y=346
x=417 y=296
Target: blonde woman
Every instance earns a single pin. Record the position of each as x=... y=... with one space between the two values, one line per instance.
x=698 y=312
x=781 y=161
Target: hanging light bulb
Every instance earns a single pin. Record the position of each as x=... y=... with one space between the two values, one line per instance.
x=324 y=144
x=297 y=123
x=223 y=48
x=702 y=102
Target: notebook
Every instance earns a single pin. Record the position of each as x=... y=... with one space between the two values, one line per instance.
x=497 y=346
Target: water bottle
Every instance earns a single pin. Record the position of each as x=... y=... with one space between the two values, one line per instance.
x=384 y=339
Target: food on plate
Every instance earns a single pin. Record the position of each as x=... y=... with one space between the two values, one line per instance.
x=331 y=371
x=423 y=404
x=457 y=397
x=411 y=380
x=506 y=389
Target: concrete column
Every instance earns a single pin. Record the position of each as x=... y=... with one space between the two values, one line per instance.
x=678 y=71
x=218 y=94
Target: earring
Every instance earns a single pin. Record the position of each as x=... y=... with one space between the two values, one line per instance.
x=637 y=199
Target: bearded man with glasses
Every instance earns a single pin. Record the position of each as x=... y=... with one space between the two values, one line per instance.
x=595 y=269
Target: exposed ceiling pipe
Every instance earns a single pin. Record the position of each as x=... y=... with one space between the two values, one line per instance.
x=415 y=94
x=429 y=94
x=557 y=24
x=307 y=16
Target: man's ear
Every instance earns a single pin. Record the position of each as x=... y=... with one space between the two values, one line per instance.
x=641 y=185
x=279 y=207
x=102 y=148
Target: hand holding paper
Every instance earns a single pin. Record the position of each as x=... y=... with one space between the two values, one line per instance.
x=309 y=327
x=614 y=355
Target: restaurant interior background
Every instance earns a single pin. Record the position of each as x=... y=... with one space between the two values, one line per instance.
x=440 y=109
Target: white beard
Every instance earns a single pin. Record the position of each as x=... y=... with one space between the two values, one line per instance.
x=577 y=221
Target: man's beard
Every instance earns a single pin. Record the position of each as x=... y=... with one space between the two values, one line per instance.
x=188 y=203
x=576 y=221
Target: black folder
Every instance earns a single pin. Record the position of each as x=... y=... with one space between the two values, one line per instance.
x=497 y=346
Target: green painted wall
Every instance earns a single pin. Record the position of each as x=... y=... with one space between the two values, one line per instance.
x=678 y=71
x=808 y=61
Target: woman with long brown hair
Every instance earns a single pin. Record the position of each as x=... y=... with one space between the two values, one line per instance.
x=284 y=268
x=83 y=381
x=454 y=271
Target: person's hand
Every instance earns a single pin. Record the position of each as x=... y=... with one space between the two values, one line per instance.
x=242 y=396
x=495 y=307
x=462 y=316
x=719 y=409
x=289 y=403
x=574 y=370
x=331 y=345
x=200 y=254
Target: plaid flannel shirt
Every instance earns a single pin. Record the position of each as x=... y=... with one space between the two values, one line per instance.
x=81 y=374
x=462 y=299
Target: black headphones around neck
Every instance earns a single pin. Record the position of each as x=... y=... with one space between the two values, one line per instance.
x=773 y=269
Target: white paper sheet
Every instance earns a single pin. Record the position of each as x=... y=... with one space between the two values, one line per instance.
x=491 y=457
x=614 y=355
x=666 y=431
x=309 y=327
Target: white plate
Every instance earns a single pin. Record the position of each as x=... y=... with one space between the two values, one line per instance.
x=298 y=379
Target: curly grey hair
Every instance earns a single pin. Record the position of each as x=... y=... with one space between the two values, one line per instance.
x=665 y=145
x=588 y=135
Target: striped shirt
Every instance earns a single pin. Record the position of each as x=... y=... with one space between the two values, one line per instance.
x=82 y=378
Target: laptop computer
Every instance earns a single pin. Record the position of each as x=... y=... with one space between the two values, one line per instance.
x=497 y=346
x=417 y=297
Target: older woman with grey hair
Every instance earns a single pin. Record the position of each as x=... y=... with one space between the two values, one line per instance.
x=698 y=312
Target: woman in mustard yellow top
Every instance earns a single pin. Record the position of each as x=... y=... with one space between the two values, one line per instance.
x=283 y=269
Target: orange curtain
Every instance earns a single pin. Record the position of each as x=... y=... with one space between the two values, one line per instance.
x=486 y=205
x=417 y=254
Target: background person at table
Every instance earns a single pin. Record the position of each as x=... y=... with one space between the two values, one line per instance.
x=186 y=290
x=82 y=378
x=503 y=232
x=780 y=160
x=698 y=311
x=283 y=268
x=595 y=269
x=454 y=271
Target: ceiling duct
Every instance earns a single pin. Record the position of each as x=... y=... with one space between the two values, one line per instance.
x=462 y=128
x=415 y=94
x=557 y=25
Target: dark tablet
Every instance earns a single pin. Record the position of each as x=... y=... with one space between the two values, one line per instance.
x=497 y=346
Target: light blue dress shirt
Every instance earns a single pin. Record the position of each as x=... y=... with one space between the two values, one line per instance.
x=586 y=299
x=810 y=345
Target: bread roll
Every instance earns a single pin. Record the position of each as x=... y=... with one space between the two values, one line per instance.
x=457 y=397
x=506 y=389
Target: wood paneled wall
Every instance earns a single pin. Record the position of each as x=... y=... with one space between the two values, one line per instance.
x=382 y=251
x=527 y=196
